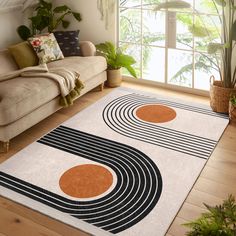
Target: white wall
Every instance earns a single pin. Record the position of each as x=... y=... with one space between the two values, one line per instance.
x=91 y=27
x=9 y=21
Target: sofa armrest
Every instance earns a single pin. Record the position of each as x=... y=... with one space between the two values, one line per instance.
x=87 y=48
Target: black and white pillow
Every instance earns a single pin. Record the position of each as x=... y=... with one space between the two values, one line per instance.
x=68 y=42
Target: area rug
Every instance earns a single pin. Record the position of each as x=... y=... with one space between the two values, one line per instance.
x=121 y=166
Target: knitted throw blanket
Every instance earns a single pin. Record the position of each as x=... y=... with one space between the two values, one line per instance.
x=68 y=81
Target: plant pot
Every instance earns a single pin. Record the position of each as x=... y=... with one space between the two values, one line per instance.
x=232 y=112
x=114 y=78
x=219 y=96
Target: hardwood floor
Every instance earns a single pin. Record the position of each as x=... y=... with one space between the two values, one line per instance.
x=217 y=180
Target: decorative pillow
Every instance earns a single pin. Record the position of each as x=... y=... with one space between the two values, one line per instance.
x=46 y=48
x=68 y=42
x=24 y=54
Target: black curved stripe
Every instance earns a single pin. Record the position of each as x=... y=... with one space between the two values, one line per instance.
x=137 y=191
x=201 y=110
x=119 y=115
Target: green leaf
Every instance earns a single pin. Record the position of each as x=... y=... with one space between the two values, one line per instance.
x=77 y=16
x=198 y=31
x=214 y=47
x=24 y=32
x=61 y=9
x=221 y=2
x=65 y=24
x=131 y=71
x=115 y=58
x=172 y=5
x=45 y=4
x=233 y=29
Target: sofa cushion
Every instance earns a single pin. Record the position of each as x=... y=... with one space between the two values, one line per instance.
x=87 y=67
x=24 y=54
x=20 y=96
x=46 y=48
x=68 y=42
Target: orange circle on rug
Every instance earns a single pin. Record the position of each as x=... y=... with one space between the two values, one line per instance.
x=155 y=113
x=86 y=181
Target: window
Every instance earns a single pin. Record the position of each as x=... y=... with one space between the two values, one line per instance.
x=163 y=43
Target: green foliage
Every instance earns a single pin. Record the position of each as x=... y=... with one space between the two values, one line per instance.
x=173 y=4
x=47 y=17
x=115 y=58
x=24 y=32
x=233 y=99
x=228 y=38
x=218 y=221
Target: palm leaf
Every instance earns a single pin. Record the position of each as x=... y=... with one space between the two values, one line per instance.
x=212 y=48
x=172 y=5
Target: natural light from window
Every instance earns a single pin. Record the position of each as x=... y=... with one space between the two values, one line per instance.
x=163 y=44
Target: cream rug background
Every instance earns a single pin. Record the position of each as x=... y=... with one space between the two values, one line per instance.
x=178 y=149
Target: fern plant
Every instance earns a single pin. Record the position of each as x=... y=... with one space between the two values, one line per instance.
x=218 y=221
x=116 y=59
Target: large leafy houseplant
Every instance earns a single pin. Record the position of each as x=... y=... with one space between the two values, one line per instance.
x=116 y=59
x=218 y=221
x=47 y=17
x=226 y=10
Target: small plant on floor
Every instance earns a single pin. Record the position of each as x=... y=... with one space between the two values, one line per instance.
x=116 y=59
x=218 y=221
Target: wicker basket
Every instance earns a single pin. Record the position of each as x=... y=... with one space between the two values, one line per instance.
x=232 y=112
x=219 y=96
x=114 y=78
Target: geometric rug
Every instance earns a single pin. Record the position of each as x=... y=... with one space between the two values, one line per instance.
x=122 y=166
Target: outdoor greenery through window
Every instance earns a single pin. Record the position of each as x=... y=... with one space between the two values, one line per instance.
x=163 y=44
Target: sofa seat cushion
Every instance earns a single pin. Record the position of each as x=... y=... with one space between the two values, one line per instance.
x=87 y=67
x=20 y=96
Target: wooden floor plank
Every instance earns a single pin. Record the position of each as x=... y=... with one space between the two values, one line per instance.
x=215 y=183
x=219 y=176
x=197 y=198
x=214 y=188
x=39 y=218
x=190 y=212
x=177 y=228
x=14 y=224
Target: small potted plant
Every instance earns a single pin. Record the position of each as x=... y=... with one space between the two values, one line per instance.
x=218 y=221
x=116 y=59
x=232 y=108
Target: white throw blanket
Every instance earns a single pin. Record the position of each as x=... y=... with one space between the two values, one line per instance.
x=65 y=78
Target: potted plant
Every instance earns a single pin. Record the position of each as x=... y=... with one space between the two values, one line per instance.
x=47 y=17
x=218 y=221
x=219 y=90
x=232 y=108
x=116 y=59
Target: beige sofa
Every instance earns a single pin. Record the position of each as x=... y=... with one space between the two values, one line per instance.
x=26 y=101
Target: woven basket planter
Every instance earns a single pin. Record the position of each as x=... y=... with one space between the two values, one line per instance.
x=114 y=78
x=219 y=96
x=232 y=112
